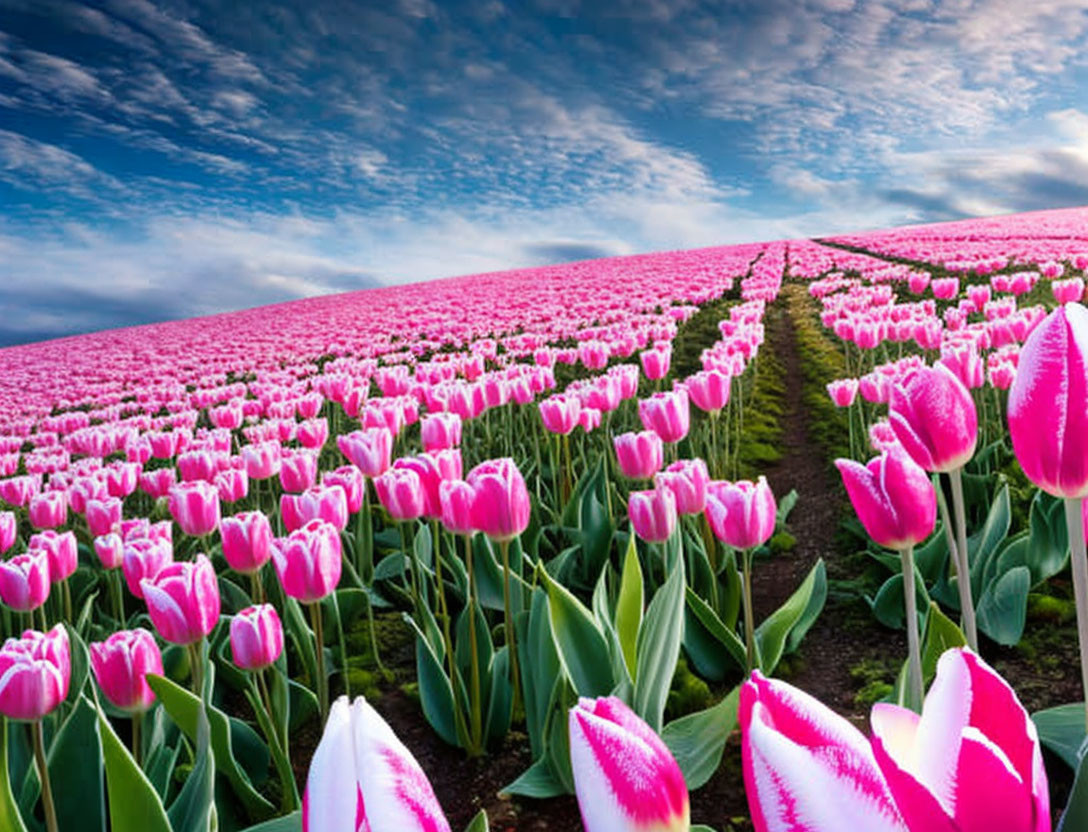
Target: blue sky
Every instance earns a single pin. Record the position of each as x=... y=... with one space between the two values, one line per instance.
x=167 y=159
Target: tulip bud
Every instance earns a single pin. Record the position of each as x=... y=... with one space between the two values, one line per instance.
x=560 y=413
x=48 y=510
x=370 y=450
x=247 y=541
x=110 y=549
x=232 y=485
x=256 y=637
x=308 y=561
x=298 y=471
x=688 y=480
x=893 y=498
x=24 y=581
x=103 y=516
x=667 y=414
x=121 y=664
x=652 y=514
x=34 y=674
x=183 y=600
x=456 y=498
x=400 y=491
x=440 y=431
x=640 y=455
x=741 y=514
x=61 y=549
x=351 y=480
x=9 y=528
x=500 y=503
x=934 y=419
x=843 y=391
x=144 y=558
x=709 y=390
x=195 y=507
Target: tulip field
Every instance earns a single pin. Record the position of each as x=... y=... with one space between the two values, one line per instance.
x=784 y=537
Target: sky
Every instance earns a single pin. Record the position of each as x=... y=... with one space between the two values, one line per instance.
x=162 y=159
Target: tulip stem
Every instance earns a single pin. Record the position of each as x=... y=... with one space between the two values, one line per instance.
x=476 y=716
x=257 y=586
x=1079 y=562
x=511 y=638
x=43 y=773
x=262 y=709
x=197 y=669
x=137 y=750
x=963 y=566
x=916 y=687
x=749 y=615
x=319 y=639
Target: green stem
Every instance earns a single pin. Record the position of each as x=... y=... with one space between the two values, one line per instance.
x=263 y=712
x=196 y=669
x=475 y=706
x=256 y=587
x=137 y=749
x=1079 y=563
x=319 y=639
x=511 y=638
x=963 y=566
x=749 y=615
x=43 y=774
x=916 y=688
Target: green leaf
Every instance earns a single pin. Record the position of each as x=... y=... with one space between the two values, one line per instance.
x=538 y=781
x=581 y=646
x=659 y=647
x=1062 y=730
x=185 y=709
x=1003 y=607
x=629 y=608
x=984 y=544
x=134 y=804
x=1076 y=811
x=815 y=606
x=785 y=506
x=1048 y=542
x=500 y=698
x=726 y=637
x=941 y=634
x=697 y=740
x=288 y=823
x=75 y=766
x=9 y=811
x=704 y=652
x=772 y=632
x=435 y=690
x=479 y=823
x=194 y=808
x=539 y=667
x=888 y=606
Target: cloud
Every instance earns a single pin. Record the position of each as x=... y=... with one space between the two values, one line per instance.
x=29 y=164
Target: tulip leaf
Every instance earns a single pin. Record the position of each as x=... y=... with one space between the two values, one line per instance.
x=703 y=650
x=288 y=823
x=75 y=767
x=435 y=689
x=727 y=637
x=812 y=610
x=479 y=823
x=659 y=647
x=629 y=607
x=1003 y=607
x=984 y=544
x=889 y=606
x=697 y=740
x=185 y=709
x=500 y=698
x=134 y=804
x=1076 y=811
x=538 y=781
x=193 y=810
x=489 y=576
x=539 y=667
x=1061 y=729
x=772 y=632
x=941 y=634
x=9 y=811
x=581 y=646
x=1048 y=543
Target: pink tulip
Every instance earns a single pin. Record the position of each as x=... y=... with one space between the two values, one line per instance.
x=666 y=414
x=433 y=469
x=110 y=549
x=624 y=775
x=893 y=498
x=843 y=391
x=655 y=362
x=308 y=561
x=741 y=514
x=256 y=637
x=709 y=390
x=1048 y=404
x=158 y=484
x=400 y=491
x=61 y=549
x=183 y=600
x=121 y=664
x=362 y=777
x=456 y=498
x=24 y=581
x=688 y=480
x=262 y=461
x=122 y=478
x=640 y=455
x=351 y=479
x=247 y=541
x=945 y=288
x=934 y=419
x=1068 y=291
x=18 y=491
x=103 y=516
x=48 y=510
x=806 y=769
x=589 y=419
x=560 y=413
x=34 y=674
x=9 y=529
x=371 y=450
x=440 y=431
x=313 y=433
x=232 y=485
x=324 y=502
x=298 y=471
x=143 y=559
x=652 y=514
x=971 y=761
x=500 y=502
x=195 y=507
x=965 y=362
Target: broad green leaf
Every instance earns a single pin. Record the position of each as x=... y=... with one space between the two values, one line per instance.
x=815 y=606
x=984 y=544
x=659 y=647
x=288 y=823
x=539 y=667
x=194 y=808
x=704 y=651
x=435 y=690
x=1061 y=729
x=479 y=823
x=134 y=804
x=725 y=636
x=9 y=811
x=629 y=608
x=185 y=709
x=1003 y=607
x=580 y=644
x=697 y=740
x=75 y=768
x=1076 y=811
x=941 y=634
x=888 y=606
x=499 y=700
x=772 y=632
x=785 y=506
x=1048 y=543
x=538 y=781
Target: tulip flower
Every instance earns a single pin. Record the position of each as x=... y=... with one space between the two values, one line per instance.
x=9 y=530
x=325 y=502
x=313 y=433
x=688 y=480
x=103 y=516
x=971 y=760
x=362 y=777
x=559 y=413
x=433 y=469
x=195 y=507
x=110 y=549
x=456 y=498
x=806 y=769
x=667 y=414
x=652 y=514
x=24 y=580
x=655 y=362
x=624 y=775
x=48 y=510
x=400 y=491
x=843 y=391
x=247 y=541
x=144 y=558
x=183 y=600
x=121 y=664
x=370 y=450
x=256 y=637
x=709 y=390
x=440 y=431
x=640 y=455
x=897 y=505
x=262 y=461
x=298 y=471
x=232 y=485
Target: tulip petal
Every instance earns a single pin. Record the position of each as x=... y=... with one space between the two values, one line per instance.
x=984 y=771
x=327 y=804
